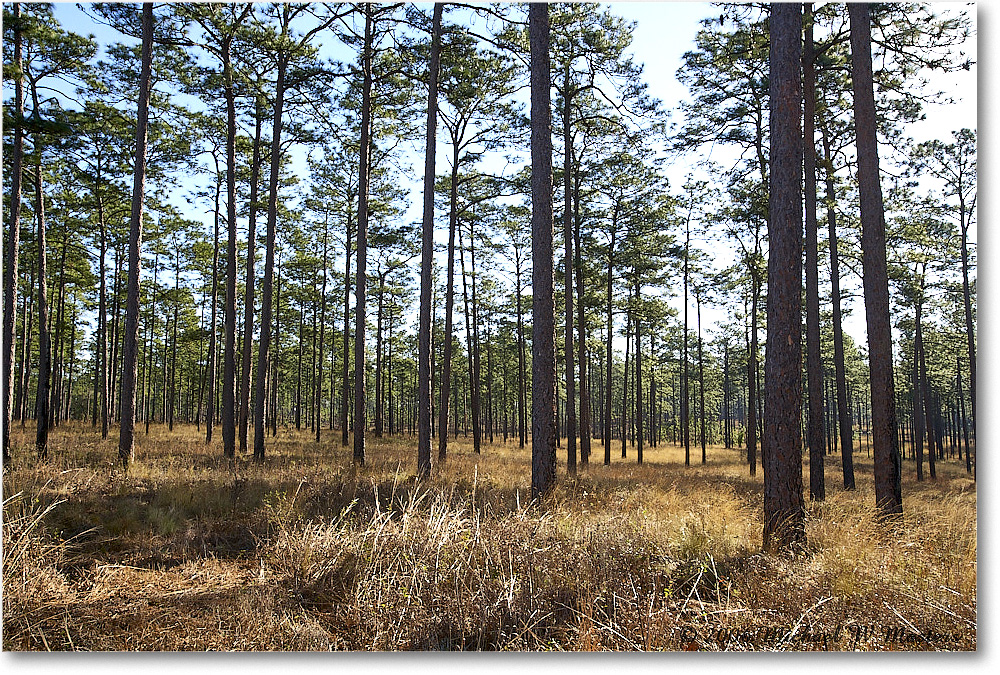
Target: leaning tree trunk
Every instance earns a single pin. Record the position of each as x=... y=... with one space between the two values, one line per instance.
x=784 y=511
x=888 y=494
x=126 y=440
x=13 y=236
x=543 y=362
x=424 y=390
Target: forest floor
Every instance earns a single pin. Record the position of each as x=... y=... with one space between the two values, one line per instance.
x=308 y=553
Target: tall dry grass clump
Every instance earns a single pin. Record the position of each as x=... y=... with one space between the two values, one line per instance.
x=309 y=552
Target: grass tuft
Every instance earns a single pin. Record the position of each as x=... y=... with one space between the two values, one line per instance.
x=308 y=552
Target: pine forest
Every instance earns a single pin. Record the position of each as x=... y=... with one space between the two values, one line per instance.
x=467 y=326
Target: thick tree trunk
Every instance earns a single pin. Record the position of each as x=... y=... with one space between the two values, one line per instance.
x=424 y=388
x=126 y=442
x=782 y=441
x=543 y=364
x=888 y=495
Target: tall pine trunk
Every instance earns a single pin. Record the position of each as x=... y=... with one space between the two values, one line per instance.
x=13 y=237
x=568 y=264
x=267 y=288
x=250 y=280
x=44 y=346
x=840 y=370
x=210 y=414
x=126 y=441
x=424 y=388
x=229 y=352
x=784 y=511
x=543 y=363
x=449 y=310
x=361 y=275
x=888 y=494
x=814 y=362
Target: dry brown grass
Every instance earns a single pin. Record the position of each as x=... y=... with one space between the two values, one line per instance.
x=307 y=552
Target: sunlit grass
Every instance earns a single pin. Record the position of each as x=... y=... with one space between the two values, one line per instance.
x=189 y=551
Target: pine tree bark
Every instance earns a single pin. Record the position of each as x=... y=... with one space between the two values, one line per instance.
x=610 y=336
x=449 y=310
x=126 y=441
x=543 y=365
x=581 y=323
x=267 y=288
x=213 y=350
x=701 y=384
x=322 y=331
x=568 y=278
x=685 y=387
x=360 y=282
x=44 y=346
x=13 y=237
x=424 y=389
x=814 y=362
x=784 y=511
x=250 y=279
x=229 y=352
x=840 y=370
x=888 y=494
x=638 y=382
x=346 y=357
